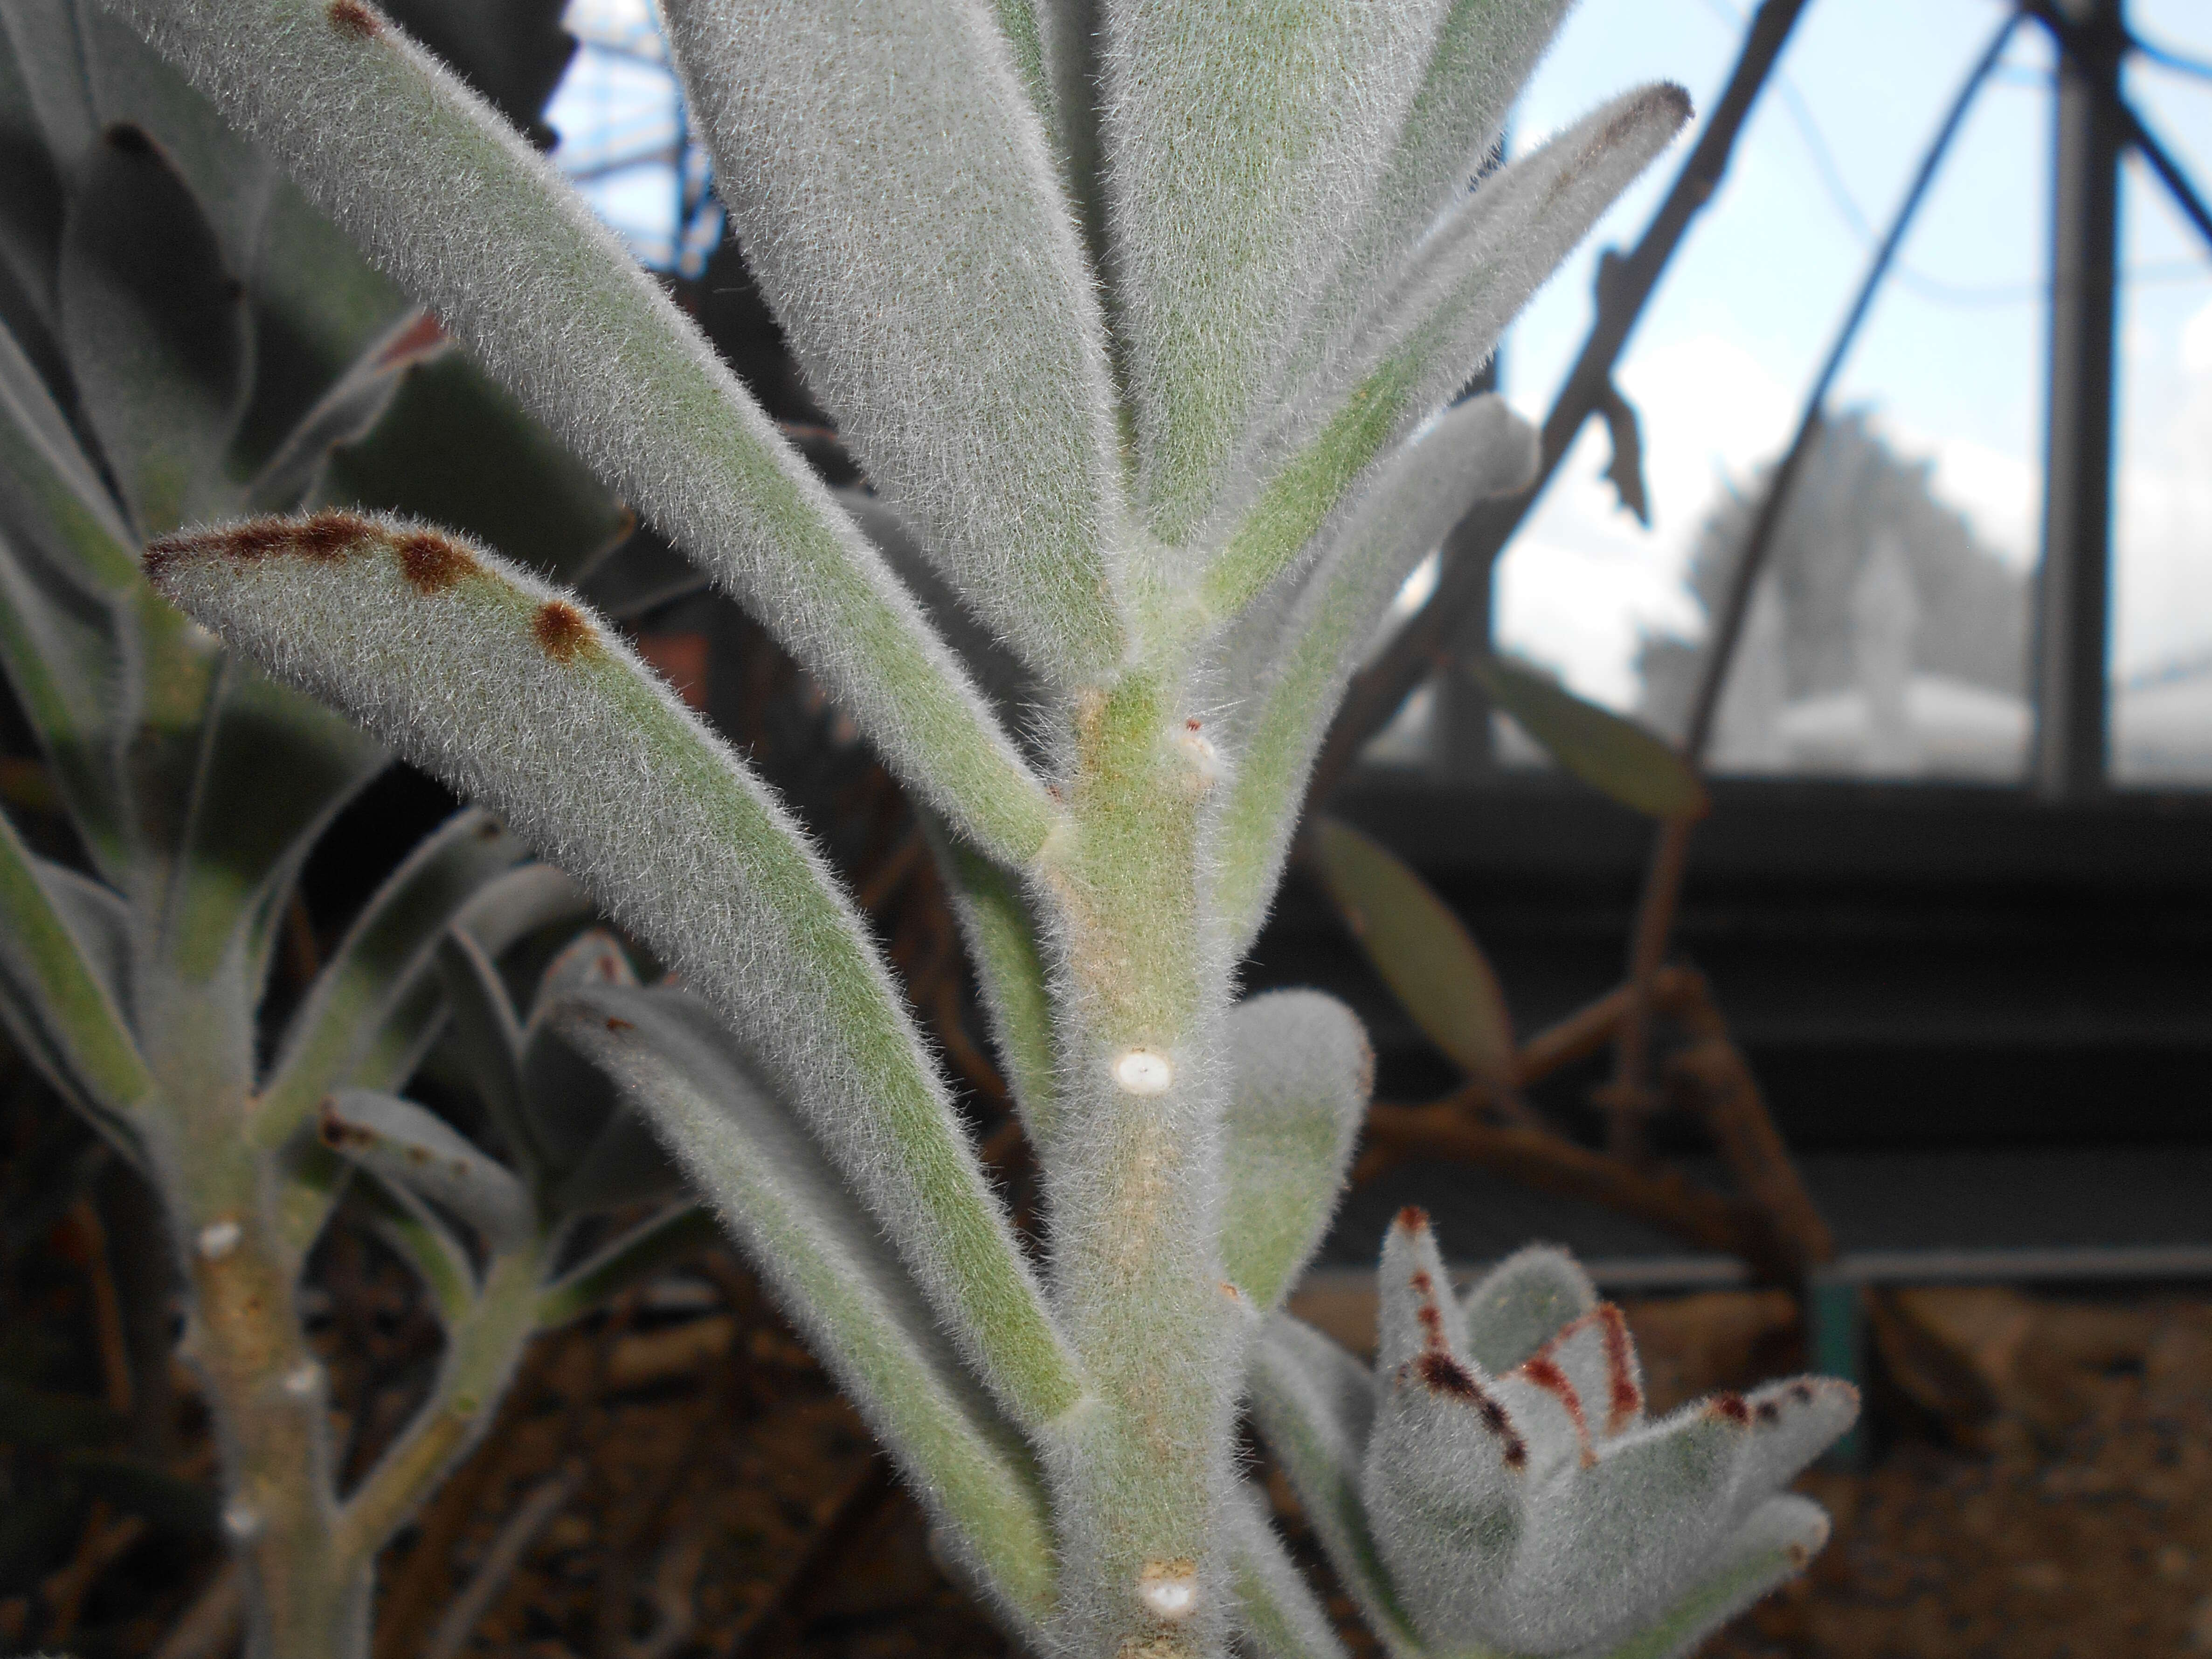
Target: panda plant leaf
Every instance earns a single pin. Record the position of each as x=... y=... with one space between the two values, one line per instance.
x=1138 y=314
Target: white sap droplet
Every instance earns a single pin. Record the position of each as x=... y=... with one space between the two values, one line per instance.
x=241 y=1521
x=218 y=1239
x=1141 y=1072
x=1170 y=1597
x=300 y=1381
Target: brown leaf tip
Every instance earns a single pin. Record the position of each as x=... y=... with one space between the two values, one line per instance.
x=1730 y=1407
x=561 y=630
x=432 y=562
x=1413 y=1218
x=352 y=17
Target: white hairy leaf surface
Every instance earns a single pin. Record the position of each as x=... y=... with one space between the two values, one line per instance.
x=1278 y=1614
x=514 y=694
x=849 y=1295
x=1792 y=1422
x=404 y=1145
x=1480 y=57
x=54 y=999
x=1478 y=449
x=1241 y=140
x=379 y=967
x=1300 y=1074
x=1782 y=1535
x=1412 y=1292
x=459 y=208
x=1521 y=1303
x=899 y=206
x=1417 y=340
x=1315 y=1404
x=1416 y=343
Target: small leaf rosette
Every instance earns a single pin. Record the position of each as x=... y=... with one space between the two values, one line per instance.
x=1512 y=1496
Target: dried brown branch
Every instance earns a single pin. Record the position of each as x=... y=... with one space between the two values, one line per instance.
x=1552 y=1164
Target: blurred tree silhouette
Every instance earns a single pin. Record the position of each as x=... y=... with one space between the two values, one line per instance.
x=1856 y=494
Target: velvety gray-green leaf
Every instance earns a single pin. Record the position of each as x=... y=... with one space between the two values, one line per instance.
x=402 y=1145
x=377 y=970
x=55 y=994
x=155 y=327
x=1423 y=952
x=1609 y=751
x=1241 y=137
x=843 y=1289
x=1000 y=931
x=1302 y=1072
x=1297 y=671
x=898 y=204
x=1278 y=1614
x=518 y=696
x=479 y=228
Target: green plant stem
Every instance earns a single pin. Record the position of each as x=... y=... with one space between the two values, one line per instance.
x=481 y=1352
x=268 y=1395
x=1135 y=1178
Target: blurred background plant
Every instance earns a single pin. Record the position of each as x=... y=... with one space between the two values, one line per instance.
x=185 y=337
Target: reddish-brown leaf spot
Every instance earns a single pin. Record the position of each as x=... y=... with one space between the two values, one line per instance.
x=352 y=17
x=326 y=536
x=560 y=629
x=1801 y=1394
x=1445 y=1375
x=1548 y=1376
x=1413 y=1218
x=431 y=563
x=337 y=1133
x=1730 y=1407
x=1767 y=1411
x=1627 y=1394
x=616 y=1025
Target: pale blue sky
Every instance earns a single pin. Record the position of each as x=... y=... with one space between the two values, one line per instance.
x=1952 y=355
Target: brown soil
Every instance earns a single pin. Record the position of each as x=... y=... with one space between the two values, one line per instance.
x=705 y=1492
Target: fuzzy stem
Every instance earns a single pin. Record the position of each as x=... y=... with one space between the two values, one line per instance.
x=269 y=1397
x=481 y=1353
x=1134 y=1172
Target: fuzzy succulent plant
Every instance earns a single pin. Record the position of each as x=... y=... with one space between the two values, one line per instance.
x=184 y=335
x=1145 y=319
x=1493 y=1486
